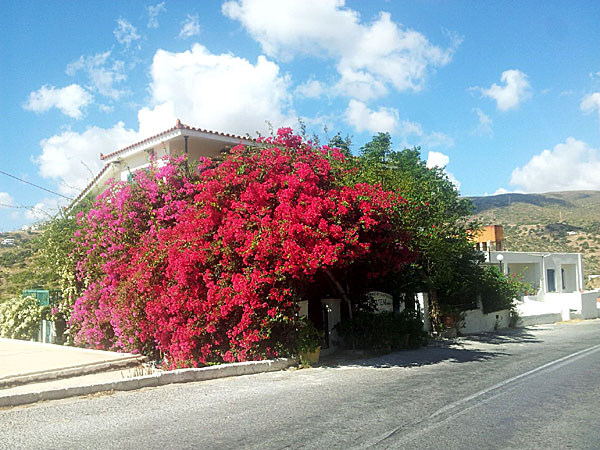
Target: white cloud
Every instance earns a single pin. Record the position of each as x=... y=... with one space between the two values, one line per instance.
x=572 y=165
x=437 y=159
x=102 y=76
x=157 y=119
x=153 y=12
x=360 y=84
x=484 y=128
x=106 y=108
x=370 y=57
x=69 y=100
x=516 y=89
x=189 y=27
x=45 y=209
x=311 y=89
x=73 y=159
x=125 y=33
x=501 y=191
x=436 y=139
x=219 y=92
x=364 y=119
x=591 y=103
x=408 y=128
x=414 y=135
x=6 y=201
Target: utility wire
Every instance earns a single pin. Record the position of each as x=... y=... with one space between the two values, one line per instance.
x=35 y=185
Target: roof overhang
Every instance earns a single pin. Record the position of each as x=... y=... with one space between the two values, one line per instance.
x=178 y=130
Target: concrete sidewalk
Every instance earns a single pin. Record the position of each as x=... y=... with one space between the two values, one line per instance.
x=25 y=362
x=32 y=372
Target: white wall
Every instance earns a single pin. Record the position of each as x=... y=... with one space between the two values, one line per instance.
x=423 y=300
x=477 y=322
x=589 y=304
x=570 y=277
x=583 y=303
x=540 y=319
x=133 y=163
x=530 y=272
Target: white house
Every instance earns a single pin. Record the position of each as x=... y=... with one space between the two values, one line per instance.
x=181 y=139
x=547 y=272
x=558 y=281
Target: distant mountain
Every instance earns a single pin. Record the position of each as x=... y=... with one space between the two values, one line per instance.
x=556 y=221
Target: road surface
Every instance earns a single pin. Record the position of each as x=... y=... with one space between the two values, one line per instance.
x=531 y=388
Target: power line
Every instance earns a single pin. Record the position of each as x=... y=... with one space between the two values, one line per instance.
x=35 y=185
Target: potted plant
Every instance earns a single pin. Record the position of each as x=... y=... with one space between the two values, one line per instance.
x=308 y=342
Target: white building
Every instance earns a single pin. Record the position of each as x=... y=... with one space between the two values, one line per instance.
x=179 y=140
x=547 y=272
x=558 y=281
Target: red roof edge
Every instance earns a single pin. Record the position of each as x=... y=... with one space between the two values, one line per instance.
x=178 y=126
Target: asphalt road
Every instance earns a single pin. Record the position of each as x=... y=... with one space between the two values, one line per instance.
x=531 y=388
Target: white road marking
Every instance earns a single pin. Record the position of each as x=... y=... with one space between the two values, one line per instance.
x=428 y=423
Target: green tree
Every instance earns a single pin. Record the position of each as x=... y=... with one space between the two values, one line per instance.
x=344 y=144
x=447 y=264
x=377 y=149
x=55 y=261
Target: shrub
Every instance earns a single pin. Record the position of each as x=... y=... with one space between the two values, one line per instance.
x=20 y=317
x=498 y=291
x=381 y=332
x=308 y=338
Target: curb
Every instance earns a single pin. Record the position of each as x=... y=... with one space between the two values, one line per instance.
x=159 y=379
x=81 y=369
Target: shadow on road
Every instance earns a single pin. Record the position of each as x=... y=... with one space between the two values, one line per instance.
x=461 y=350
x=409 y=358
x=510 y=336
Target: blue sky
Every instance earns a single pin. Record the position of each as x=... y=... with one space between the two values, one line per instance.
x=504 y=94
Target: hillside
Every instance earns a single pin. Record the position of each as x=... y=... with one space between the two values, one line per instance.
x=15 y=261
x=555 y=221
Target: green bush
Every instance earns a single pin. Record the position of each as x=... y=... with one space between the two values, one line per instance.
x=20 y=317
x=498 y=291
x=381 y=332
x=308 y=338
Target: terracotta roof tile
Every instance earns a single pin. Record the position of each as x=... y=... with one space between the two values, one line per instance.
x=178 y=126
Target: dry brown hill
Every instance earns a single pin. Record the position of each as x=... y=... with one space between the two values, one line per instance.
x=556 y=221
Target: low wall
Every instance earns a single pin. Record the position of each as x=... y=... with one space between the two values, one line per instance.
x=539 y=319
x=477 y=322
x=589 y=304
x=583 y=303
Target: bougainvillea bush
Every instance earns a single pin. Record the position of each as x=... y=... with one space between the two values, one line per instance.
x=205 y=264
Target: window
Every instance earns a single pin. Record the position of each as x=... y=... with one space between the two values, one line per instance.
x=551 y=280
